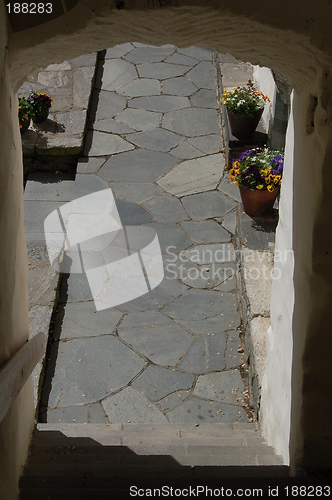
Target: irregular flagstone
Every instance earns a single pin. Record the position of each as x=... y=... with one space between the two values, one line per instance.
x=90 y=369
x=208 y=205
x=232 y=356
x=181 y=59
x=130 y=406
x=36 y=212
x=204 y=99
x=89 y=165
x=163 y=345
x=97 y=414
x=43 y=186
x=173 y=400
x=157 y=298
x=112 y=126
x=226 y=387
x=76 y=320
x=231 y=189
x=141 y=87
x=86 y=184
x=117 y=73
x=179 y=86
x=137 y=166
x=166 y=208
x=119 y=50
x=143 y=319
x=109 y=104
x=71 y=414
x=206 y=231
x=140 y=119
x=208 y=143
x=171 y=325
x=228 y=320
x=172 y=238
x=197 y=52
x=75 y=288
x=149 y=54
x=105 y=144
x=217 y=273
x=192 y=122
x=187 y=272
x=206 y=355
x=76 y=414
x=198 y=305
x=227 y=286
x=230 y=222
x=161 y=70
x=157 y=140
x=186 y=151
x=202 y=76
x=197 y=411
x=194 y=176
x=205 y=254
x=156 y=382
x=161 y=103
x=131 y=213
x=135 y=191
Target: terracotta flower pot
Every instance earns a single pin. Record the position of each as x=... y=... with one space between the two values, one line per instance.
x=24 y=126
x=41 y=117
x=256 y=203
x=243 y=127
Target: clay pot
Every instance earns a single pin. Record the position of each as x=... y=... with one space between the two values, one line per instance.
x=25 y=125
x=256 y=203
x=41 y=117
x=243 y=127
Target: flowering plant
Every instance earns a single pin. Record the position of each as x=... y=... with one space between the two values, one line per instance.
x=40 y=102
x=258 y=168
x=25 y=111
x=244 y=101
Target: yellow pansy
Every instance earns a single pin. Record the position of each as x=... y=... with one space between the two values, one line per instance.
x=260 y=186
x=270 y=188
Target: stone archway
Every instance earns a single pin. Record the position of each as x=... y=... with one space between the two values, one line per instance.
x=274 y=36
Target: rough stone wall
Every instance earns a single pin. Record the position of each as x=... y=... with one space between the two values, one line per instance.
x=266 y=40
x=15 y=429
x=292 y=38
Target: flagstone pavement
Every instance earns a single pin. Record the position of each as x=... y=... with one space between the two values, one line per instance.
x=174 y=354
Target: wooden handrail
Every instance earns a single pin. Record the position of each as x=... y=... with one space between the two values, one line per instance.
x=17 y=370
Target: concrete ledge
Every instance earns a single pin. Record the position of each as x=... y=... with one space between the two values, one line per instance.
x=255 y=240
x=70 y=84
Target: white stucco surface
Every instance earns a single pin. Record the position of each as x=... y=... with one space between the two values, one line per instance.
x=294 y=39
x=276 y=388
x=265 y=80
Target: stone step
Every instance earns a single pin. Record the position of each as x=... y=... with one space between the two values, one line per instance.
x=69 y=459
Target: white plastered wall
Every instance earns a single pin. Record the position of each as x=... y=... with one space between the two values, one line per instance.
x=276 y=387
x=16 y=428
x=266 y=83
x=276 y=35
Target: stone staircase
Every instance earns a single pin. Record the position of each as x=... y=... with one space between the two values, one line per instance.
x=104 y=460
